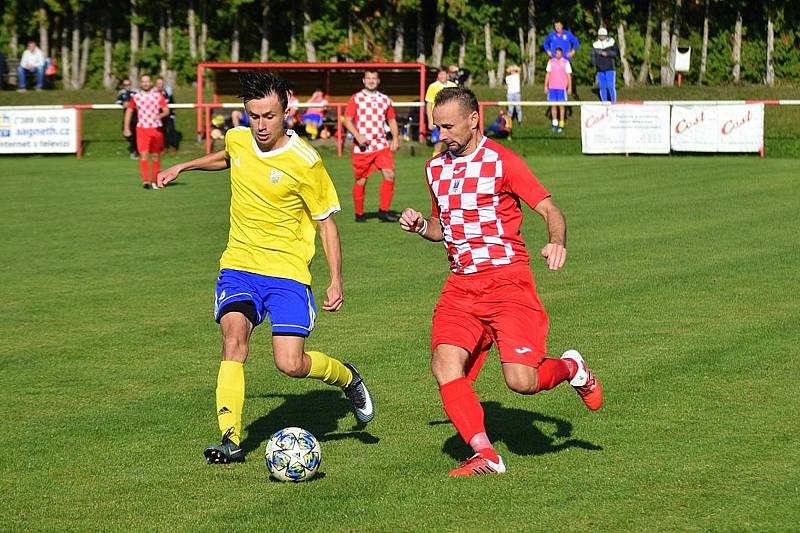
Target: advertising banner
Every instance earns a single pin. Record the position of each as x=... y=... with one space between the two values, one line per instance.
x=718 y=128
x=625 y=129
x=38 y=131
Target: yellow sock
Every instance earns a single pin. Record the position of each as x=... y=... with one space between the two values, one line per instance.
x=230 y=398
x=328 y=370
x=560 y=123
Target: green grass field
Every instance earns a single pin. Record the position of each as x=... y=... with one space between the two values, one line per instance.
x=680 y=288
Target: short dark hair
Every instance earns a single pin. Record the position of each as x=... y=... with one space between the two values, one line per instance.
x=257 y=84
x=466 y=99
x=371 y=70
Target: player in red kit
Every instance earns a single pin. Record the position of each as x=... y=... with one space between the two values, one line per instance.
x=365 y=118
x=151 y=107
x=476 y=186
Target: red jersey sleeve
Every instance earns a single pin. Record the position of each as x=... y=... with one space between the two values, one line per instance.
x=520 y=181
x=351 y=110
x=132 y=103
x=390 y=114
x=162 y=101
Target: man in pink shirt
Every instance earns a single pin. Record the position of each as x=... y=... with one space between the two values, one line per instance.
x=557 y=84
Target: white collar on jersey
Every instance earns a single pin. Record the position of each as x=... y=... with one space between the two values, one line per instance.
x=272 y=153
x=469 y=155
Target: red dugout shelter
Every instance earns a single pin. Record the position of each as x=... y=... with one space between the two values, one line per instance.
x=403 y=82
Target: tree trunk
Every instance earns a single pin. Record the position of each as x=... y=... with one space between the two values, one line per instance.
x=530 y=54
x=76 y=51
x=598 y=10
x=65 y=63
x=292 y=30
x=704 y=53
x=133 y=66
x=190 y=22
x=44 y=41
x=737 y=47
x=84 y=60
x=673 y=46
x=350 y=33
x=13 y=42
x=264 y=55
x=770 y=79
x=162 y=44
x=665 y=68
x=235 y=39
x=501 y=65
x=311 y=52
x=487 y=44
x=644 y=71
x=462 y=49
x=108 y=54
x=420 y=37
x=438 y=35
x=399 y=40
x=627 y=74
x=201 y=45
x=171 y=75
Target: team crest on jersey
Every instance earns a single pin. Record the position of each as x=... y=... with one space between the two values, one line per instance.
x=455 y=186
x=275 y=176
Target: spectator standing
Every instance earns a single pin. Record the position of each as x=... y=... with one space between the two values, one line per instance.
x=564 y=39
x=32 y=61
x=123 y=97
x=434 y=88
x=557 y=84
x=171 y=137
x=314 y=116
x=604 y=58
x=514 y=92
x=3 y=68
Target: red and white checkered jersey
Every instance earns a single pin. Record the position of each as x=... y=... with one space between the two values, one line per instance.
x=369 y=113
x=477 y=199
x=148 y=105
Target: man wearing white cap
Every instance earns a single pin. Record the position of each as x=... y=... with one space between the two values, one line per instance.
x=604 y=54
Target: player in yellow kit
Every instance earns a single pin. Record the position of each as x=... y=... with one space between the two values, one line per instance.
x=280 y=194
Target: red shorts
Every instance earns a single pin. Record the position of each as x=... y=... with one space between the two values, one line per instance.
x=149 y=140
x=365 y=164
x=502 y=307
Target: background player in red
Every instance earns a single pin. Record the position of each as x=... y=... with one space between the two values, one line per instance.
x=365 y=117
x=151 y=107
x=490 y=297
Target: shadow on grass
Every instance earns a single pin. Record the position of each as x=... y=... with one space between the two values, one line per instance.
x=523 y=432
x=316 y=411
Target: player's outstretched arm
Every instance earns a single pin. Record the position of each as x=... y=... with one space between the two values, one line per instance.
x=213 y=161
x=329 y=234
x=555 y=251
x=414 y=222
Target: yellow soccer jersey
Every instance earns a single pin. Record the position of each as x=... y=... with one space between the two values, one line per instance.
x=435 y=88
x=276 y=199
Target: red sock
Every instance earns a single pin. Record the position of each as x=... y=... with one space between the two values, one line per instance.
x=156 y=169
x=359 y=192
x=551 y=373
x=463 y=408
x=387 y=192
x=143 y=169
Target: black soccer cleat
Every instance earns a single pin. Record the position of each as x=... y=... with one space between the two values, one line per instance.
x=387 y=216
x=227 y=452
x=361 y=218
x=358 y=393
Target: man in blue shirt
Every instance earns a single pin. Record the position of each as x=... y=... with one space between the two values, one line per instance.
x=564 y=39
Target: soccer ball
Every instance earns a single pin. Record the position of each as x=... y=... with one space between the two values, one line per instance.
x=293 y=454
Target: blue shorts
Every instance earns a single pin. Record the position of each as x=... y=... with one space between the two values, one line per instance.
x=313 y=118
x=289 y=304
x=556 y=95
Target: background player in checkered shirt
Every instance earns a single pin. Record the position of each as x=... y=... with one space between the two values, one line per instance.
x=489 y=298
x=151 y=107
x=365 y=118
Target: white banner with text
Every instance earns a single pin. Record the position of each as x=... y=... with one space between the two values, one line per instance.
x=718 y=128
x=39 y=131
x=625 y=129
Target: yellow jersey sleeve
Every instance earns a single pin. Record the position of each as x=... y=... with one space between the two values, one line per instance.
x=433 y=90
x=316 y=189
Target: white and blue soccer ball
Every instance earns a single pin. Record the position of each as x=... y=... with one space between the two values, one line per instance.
x=293 y=454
